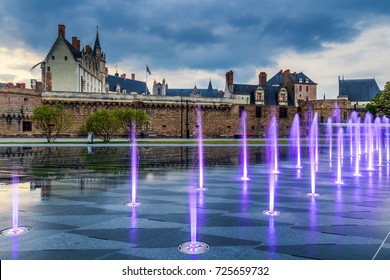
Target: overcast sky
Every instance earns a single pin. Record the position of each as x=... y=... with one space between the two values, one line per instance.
x=189 y=42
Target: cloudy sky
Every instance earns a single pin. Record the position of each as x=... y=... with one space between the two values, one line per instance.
x=189 y=42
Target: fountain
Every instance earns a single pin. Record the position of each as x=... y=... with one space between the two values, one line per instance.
x=339 y=155
x=313 y=152
x=272 y=166
x=193 y=247
x=387 y=137
x=357 y=147
x=16 y=229
x=134 y=167
x=329 y=133
x=378 y=137
x=244 y=159
x=369 y=141
x=200 y=148
x=295 y=140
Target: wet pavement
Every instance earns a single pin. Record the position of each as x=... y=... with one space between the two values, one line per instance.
x=73 y=200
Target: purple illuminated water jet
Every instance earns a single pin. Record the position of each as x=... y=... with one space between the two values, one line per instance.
x=387 y=137
x=134 y=167
x=295 y=139
x=193 y=247
x=357 y=147
x=313 y=150
x=16 y=229
x=369 y=138
x=329 y=134
x=244 y=148
x=200 y=148
x=378 y=137
x=272 y=167
x=339 y=155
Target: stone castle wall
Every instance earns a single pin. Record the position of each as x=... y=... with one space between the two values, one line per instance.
x=16 y=107
x=169 y=116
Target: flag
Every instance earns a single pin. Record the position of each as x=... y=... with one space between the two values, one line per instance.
x=148 y=70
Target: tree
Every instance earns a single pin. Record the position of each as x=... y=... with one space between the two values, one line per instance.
x=107 y=123
x=51 y=120
x=104 y=123
x=373 y=105
x=127 y=116
x=383 y=103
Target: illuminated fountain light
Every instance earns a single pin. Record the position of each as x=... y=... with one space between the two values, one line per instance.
x=339 y=155
x=329 y=134
x=134 y=168
x=313 y=140
x=295 y=139
x=357 y=147
x=272 y=167
x=200 y=150
x=244 y=159
x=16 y=229
x=193 y=247
x=378 y=137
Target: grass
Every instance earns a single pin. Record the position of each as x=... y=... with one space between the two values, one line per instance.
x=256 y=141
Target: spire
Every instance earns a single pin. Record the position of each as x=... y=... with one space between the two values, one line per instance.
x=97 y=47
x=210 y=88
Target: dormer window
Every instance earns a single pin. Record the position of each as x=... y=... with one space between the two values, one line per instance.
x=307 y=81
x=283 y=97
x=300 y=80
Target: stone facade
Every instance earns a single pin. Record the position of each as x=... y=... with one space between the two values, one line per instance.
x=16 y=107
x=173 y=117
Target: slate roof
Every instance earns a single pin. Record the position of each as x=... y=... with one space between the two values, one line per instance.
x=214 y=93
x=358 y=89
x=296 y=77
x=271 y=93
x=207 y=92
x=127 y=84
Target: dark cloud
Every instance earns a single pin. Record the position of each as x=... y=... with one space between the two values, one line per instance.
x=216 y=34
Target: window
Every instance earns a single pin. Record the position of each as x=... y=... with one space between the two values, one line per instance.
x=25 y=99
x=53 y=57
x=282 y=113
x=258 y=112
x=48 y=69
x=300 y=88
x=66 y=58
x=26 y=126
x=307 y=88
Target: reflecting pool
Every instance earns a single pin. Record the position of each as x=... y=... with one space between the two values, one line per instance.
x=72 y=199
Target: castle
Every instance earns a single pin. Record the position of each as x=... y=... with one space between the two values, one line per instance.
x=78 y=79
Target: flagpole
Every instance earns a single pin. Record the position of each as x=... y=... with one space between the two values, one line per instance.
x=146 y=80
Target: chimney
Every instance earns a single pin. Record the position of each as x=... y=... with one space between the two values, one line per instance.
x=61 y=30
x=76 y=43
x=123 y=76
x=133 y=76
x=229 y=78
x=263 y=79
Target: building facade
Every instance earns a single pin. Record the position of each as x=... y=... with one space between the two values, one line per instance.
x=69 y=68
x=283 y=89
